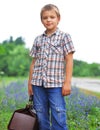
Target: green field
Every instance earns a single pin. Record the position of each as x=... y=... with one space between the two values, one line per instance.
x=83 y=107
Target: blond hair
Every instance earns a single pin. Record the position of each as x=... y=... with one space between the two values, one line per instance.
x=49 y=7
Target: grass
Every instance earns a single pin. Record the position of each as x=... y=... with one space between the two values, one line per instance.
x=13 y=95
x=4 y=81
x=83 y=107
x=83 y=111
x=88 y=92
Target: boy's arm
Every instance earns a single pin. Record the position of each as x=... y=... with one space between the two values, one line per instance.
x=30 y=92
x=66 y=89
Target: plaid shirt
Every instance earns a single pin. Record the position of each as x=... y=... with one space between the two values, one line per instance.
x=50 y=54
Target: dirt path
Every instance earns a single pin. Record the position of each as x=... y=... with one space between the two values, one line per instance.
x=87 y=83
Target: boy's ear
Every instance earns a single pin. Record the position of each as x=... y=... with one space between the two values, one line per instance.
x=58 y=19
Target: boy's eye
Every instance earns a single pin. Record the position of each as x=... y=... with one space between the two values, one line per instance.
x=45 y=17
x=51 y=17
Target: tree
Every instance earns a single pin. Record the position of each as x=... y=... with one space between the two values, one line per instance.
x=19 y=41
x=14 y=58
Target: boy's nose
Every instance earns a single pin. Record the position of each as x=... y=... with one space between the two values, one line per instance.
x=48 y=19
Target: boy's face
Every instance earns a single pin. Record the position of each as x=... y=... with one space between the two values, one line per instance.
x=50 y=20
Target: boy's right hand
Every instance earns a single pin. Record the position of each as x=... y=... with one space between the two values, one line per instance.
x=30 y=91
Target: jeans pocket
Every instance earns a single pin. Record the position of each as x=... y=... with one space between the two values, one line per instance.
x=61 y=113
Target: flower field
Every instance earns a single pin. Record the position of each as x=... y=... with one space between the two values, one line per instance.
x=83 y=111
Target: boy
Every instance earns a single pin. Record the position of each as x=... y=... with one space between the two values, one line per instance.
x=47 y=80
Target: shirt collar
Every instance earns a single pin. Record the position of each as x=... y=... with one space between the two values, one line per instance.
x=54 y=33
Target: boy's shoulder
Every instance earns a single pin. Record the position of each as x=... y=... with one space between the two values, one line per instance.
x=63 y=33
x=38 y=37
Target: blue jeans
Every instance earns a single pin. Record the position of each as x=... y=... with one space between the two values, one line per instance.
x=50 y=107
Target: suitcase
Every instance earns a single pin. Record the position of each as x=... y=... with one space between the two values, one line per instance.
x=24 y=119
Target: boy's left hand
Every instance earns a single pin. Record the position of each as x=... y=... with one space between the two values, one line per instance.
x=66 y=89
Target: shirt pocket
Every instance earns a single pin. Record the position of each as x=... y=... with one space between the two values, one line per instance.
x=56 y=48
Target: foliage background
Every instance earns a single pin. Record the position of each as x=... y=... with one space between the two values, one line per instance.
x=14 y=58
x=15 y=61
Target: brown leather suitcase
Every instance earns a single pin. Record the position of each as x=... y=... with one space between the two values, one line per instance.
x=24 y=119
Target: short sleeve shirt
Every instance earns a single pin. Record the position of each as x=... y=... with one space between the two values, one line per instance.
x=50 y=55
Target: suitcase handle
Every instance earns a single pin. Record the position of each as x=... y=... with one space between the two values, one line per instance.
x=29 y=105
x=31 y=98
